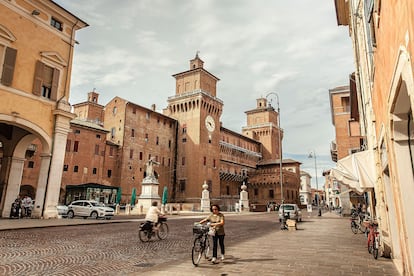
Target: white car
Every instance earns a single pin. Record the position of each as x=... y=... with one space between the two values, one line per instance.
x=89 y=208
x=291 y=209
x=62 y=210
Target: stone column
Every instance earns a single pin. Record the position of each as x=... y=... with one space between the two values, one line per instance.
x=205 y=198
x=4 y=173
x=41 y=185
x=244 y=199
x=13 y=185
x=62 y=128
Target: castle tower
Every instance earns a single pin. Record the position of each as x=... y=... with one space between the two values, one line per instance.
x=262 y=125
x=197 y=110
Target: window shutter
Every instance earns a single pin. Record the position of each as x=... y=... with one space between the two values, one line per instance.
x=55 y=84
x=8 y=67
x=38 y=78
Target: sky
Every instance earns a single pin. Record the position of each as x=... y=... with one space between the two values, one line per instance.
x=132 y=48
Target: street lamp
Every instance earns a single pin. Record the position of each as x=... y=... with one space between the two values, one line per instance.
x=280 y=147
x=313 y=155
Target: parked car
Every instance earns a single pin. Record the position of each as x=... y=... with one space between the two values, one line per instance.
x=89 y=208
x=62 y=210
x=292 y=209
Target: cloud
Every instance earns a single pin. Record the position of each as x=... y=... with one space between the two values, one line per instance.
x=132 y=48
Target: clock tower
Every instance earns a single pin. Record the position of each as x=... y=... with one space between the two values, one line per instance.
x=197 y=110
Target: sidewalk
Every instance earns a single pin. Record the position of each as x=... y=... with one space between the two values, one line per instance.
x=321 y=246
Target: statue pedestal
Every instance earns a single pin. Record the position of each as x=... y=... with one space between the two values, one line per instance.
x=205 y=198
x=244 y=199
x=149 y=193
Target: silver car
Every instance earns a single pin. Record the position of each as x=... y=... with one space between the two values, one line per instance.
x=293 y=211
x=89 y=208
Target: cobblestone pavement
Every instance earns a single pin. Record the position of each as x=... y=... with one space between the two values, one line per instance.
x=108 y=248
x=254 y=246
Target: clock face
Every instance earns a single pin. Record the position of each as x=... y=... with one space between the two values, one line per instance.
x=210 y=124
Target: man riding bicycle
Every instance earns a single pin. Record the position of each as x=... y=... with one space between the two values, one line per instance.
x=152 y=215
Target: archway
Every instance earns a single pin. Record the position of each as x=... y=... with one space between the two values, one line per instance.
x=16 y=136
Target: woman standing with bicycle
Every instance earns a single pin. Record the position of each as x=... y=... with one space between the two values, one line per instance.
x=216 y=220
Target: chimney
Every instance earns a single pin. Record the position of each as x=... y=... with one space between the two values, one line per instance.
x=153 y=107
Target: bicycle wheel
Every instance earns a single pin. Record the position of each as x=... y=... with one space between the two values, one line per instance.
x=144 y=235
x=354 y=227
x=197 y=251
x=370 y=244
x=375 y=248
x=206 y=247
x=163 y=231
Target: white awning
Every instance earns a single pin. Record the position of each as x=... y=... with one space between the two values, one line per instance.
x=357 y=171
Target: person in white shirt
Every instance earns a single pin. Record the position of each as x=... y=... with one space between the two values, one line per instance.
x=27 y=204
x=153 y=213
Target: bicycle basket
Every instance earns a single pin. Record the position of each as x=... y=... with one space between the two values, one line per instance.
x=199 y=229
x=162 y=219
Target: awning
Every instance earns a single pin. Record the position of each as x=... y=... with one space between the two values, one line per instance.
x=356 y=171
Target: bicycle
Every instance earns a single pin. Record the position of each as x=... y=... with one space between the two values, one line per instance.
x=373 y=240
x=201 y=245
x=358 y=223
x=147 y=231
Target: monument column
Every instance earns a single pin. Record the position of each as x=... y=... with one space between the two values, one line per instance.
x=244 y=199
x=205 y=198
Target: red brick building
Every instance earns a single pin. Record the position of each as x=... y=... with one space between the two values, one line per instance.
x=108 y=147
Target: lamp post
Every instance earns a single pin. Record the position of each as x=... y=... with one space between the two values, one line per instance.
x=280 y=147
x=312 y=154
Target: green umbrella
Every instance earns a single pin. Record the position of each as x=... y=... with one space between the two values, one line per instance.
x=118 y=195
x=164 y=195
x=133 y=197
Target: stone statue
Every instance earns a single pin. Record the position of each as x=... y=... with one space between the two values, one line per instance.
x=150 y=168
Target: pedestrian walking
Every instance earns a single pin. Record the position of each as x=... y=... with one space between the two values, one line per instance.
x=217 y=222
